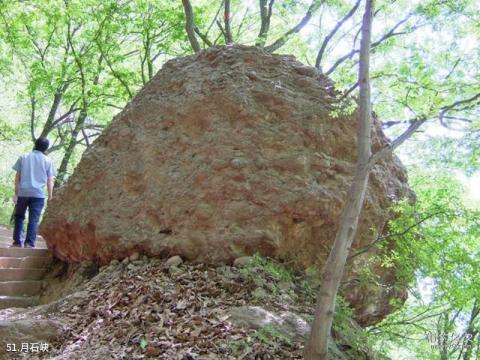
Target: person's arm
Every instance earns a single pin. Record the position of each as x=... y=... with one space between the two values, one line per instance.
x=50 y=183
x=50 y=179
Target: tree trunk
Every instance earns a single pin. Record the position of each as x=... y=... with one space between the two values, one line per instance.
x=62 y=170
x=265 y=15
x=471 y=332
x=226 y=18
x=57 y=99
x=190 y=25
x=317 y=345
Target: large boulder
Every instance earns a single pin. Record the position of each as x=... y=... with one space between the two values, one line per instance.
x=223 y=154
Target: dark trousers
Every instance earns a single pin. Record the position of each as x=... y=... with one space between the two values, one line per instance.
x=35 y=206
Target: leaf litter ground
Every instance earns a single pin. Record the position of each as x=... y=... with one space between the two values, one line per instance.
x=145 y=309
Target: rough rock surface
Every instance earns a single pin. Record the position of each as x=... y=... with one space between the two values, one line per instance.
x=223 y=154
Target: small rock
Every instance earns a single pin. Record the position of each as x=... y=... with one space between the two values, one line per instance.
x=271 y=286
x=256 y=317
x=238 y=163
x=174 y=261
x=134 y=256
x=306 y=71
x=242 y=261
x=230 y=275
x=181 y=305
x=259 y=293
x=252 y=75
x=125 y=261
x=173 y=270
x=259 y=282
x=114 y=262
x=138 y=262
x=284 y=285
x=152 y=351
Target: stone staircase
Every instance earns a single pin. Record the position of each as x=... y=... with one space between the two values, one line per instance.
x=21 y=272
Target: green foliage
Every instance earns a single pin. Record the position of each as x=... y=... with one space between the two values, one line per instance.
x=270 y=334
x=6 y=131
x=274 y=269
x=81 y=57
x=6 y=203
x=436 y=240
x=143 y=343
x=349 y=333
x=239 y=347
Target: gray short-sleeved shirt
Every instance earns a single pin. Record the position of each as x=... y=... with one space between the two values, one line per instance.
x=35 y=168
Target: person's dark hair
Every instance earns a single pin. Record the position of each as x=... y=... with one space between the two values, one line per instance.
x=41 y=144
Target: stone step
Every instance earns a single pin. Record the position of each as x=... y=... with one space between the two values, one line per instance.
x=6 y=242
x=22 y=252
x=21 y=274
x=25 y=262
x=20 y=288
x=5 y=232
x=17 y=301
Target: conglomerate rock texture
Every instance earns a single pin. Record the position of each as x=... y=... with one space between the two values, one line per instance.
x=226 y=153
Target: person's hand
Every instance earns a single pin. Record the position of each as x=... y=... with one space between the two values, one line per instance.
x=14 y=199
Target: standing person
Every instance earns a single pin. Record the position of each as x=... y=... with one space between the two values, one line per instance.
x=34 y=171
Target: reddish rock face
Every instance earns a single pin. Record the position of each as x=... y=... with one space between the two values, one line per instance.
x=222 y=154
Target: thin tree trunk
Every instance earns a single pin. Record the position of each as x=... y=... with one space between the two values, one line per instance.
x=443 y=338
x=190 y=25
x=62 y=170
x=471 y=332
x=265 y=16
x=228 y=30
x=317 y=345
x=53 y=110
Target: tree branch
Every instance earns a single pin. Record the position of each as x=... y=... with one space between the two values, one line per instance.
x=214 y=18
x=203 y=36
x=219 y=24
x=381 y=238
x=386 y=36
x=414 y=125
x=470 y=102
x=283 y=39
x=332 y=33
x=115 y=74
x=71 y=111
x=57 y=98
